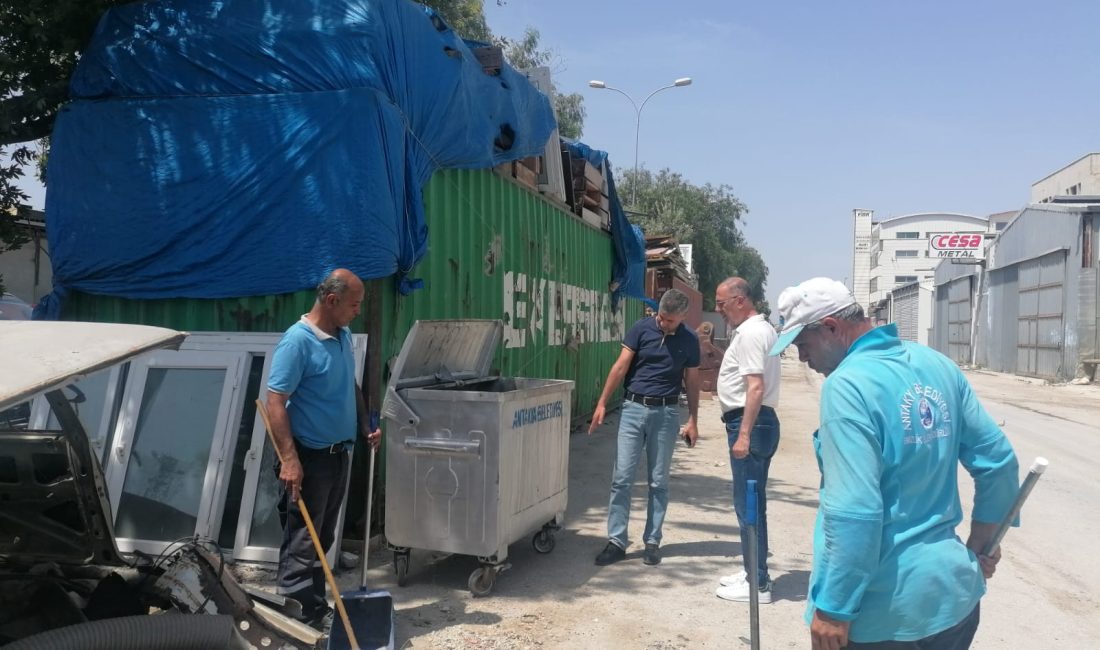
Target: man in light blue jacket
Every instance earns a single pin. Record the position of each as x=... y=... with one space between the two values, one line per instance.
x=897 y=418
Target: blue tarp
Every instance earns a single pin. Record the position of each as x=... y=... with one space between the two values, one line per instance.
x=226 y=148
x=628 y=270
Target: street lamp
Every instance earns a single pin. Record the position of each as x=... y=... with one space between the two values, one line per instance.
x=596 y=83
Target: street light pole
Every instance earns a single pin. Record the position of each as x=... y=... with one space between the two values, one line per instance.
x=595 y=83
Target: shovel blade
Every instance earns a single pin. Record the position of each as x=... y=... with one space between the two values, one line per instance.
x=371 y=615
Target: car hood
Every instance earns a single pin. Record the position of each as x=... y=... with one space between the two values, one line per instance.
x=54 y=499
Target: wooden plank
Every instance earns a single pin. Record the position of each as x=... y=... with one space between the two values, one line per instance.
x=534 y=163
x=527 y=177
x=593 y=175
x=595 y=218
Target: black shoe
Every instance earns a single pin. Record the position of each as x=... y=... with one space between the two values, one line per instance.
x=652 y=554
x=322 y=620
x=610 y=555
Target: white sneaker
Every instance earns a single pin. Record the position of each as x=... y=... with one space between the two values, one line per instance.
x=740 y=593
x=732 y=580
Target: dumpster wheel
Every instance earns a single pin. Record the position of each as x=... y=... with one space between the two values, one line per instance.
x=401 y=567
x=543 y=541
x=482 y=580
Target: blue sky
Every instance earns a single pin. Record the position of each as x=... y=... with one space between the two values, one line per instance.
x=809 y=109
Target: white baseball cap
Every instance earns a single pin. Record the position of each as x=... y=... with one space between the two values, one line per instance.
x=808 y=303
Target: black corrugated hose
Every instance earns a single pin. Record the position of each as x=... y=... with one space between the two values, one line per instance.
x=157 y=632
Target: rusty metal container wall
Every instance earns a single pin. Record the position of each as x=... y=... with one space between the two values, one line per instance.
x=499 y=251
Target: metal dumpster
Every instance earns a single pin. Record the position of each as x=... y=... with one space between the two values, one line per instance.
x=474 y=462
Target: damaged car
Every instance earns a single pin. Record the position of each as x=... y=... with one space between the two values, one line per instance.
x=63 y=581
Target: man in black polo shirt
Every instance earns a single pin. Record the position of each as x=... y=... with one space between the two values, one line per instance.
x=659 y=356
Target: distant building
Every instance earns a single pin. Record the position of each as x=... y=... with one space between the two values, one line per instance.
x=894 y=252
x=999 y=220
x=1079 y=178
x=27 y=272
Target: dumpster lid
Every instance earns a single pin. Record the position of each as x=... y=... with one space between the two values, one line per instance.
x=446 y=351
x=440 y=352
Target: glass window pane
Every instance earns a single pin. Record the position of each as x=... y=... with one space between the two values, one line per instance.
x=227 y=534
x=87 y=397
x=169 y=453
x=267 y=528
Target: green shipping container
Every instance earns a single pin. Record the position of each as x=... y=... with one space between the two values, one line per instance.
x=497 y=250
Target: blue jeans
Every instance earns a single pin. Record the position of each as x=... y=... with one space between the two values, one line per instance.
x=653 y=429
x=754 y=467
x=957 y=637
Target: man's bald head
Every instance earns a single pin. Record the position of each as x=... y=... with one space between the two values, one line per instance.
x=337 y=284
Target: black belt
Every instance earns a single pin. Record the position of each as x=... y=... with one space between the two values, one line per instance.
x=644 y=400
x=335 y=448
x=739 y=411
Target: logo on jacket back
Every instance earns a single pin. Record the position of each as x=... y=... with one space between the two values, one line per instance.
x=927 y=419
x=926 y=406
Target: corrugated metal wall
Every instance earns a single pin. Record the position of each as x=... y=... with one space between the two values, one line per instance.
x=939 y=320
x=1041 y=245
x=956 y=316
x=496 y=251
x=1040 y=336
x=1000 y=322
x=906 y=304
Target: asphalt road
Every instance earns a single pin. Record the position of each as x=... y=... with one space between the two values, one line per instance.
x=1046 y=593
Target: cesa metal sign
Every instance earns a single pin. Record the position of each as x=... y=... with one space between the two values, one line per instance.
x=964 y=245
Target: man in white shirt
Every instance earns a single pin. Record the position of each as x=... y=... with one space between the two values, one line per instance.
x=748 y=389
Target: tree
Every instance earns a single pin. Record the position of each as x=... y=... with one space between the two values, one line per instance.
x=465 y=17
x=705 y=216
x=40 y=43
x=526 y=53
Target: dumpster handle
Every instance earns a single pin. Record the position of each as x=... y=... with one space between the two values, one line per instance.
x=457 y=447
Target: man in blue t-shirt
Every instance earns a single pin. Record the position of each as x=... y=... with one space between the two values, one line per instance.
x=315 y=409
x=897 y=419
x=659 y=356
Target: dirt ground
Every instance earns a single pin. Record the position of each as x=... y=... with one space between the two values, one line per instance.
x=1045 y=594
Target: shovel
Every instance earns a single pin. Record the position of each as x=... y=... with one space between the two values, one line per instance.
x=371 y=611
x=262 y=410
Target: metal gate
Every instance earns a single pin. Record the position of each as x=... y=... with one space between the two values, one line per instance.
x=906 y=301
x=959 y=310
x=1039 y=332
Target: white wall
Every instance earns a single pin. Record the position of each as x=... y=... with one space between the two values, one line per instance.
x=18 y=268
x=1080 y=177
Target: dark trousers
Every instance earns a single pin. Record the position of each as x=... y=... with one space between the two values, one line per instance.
x=754 y=467
x=957 y=637
x=324 y=480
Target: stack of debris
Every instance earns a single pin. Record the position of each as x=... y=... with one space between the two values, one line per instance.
x=586 y=191
x=491 y=58
x=525 y=170
x=662 y=253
